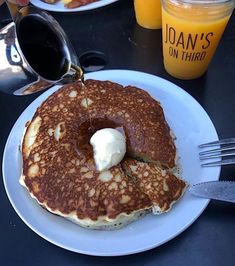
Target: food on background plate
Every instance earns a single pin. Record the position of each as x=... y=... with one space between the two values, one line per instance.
x=71 y=3
x=59 y=170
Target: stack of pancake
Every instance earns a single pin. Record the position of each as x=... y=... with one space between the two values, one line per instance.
x=58 y=166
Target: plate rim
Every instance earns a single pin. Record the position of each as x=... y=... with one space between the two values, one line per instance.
x=42 y=97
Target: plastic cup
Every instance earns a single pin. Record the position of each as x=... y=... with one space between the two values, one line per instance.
x=191 y=31
x=148 y=13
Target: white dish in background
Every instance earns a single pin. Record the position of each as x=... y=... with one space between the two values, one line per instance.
x=59 y=6
x=191 y=125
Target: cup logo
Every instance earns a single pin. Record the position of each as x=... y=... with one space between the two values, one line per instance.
x=187 y=46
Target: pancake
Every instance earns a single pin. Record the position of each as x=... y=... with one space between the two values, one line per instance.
x=161 y=186
x=59 y=169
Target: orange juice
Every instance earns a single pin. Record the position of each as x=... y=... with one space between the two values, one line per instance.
x=191 y=31
x=148 y=13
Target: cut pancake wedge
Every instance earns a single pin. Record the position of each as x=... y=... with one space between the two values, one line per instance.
x=162 y=187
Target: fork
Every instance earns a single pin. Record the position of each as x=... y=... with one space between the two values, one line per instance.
x=225 y=150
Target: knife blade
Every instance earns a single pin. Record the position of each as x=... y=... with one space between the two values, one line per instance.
x=218 y=190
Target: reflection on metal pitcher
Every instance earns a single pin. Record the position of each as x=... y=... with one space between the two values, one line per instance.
x=35 y=53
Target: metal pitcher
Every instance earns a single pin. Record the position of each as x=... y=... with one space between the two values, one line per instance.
x=35 y=53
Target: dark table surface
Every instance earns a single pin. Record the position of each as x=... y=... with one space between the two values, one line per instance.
x=112 y=30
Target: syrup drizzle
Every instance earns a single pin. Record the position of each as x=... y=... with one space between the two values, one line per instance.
x=91 y=127
x=78 y=75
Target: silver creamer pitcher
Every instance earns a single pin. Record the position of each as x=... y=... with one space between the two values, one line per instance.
x=35 y=53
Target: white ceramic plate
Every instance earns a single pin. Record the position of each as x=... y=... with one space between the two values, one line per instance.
x=191 y=126
x=59 y=6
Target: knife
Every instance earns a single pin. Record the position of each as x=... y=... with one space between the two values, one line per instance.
x=218 y=190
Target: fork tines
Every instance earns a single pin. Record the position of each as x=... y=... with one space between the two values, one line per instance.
x=218 y=142
x=225 y=151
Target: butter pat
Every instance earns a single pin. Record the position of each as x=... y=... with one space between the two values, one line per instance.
x=109 y=148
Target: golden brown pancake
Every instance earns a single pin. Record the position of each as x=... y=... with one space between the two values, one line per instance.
x=58 y=166
x=161 y=186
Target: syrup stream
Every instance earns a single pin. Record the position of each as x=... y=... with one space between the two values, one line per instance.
x=80 y=77
x=91 y=128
